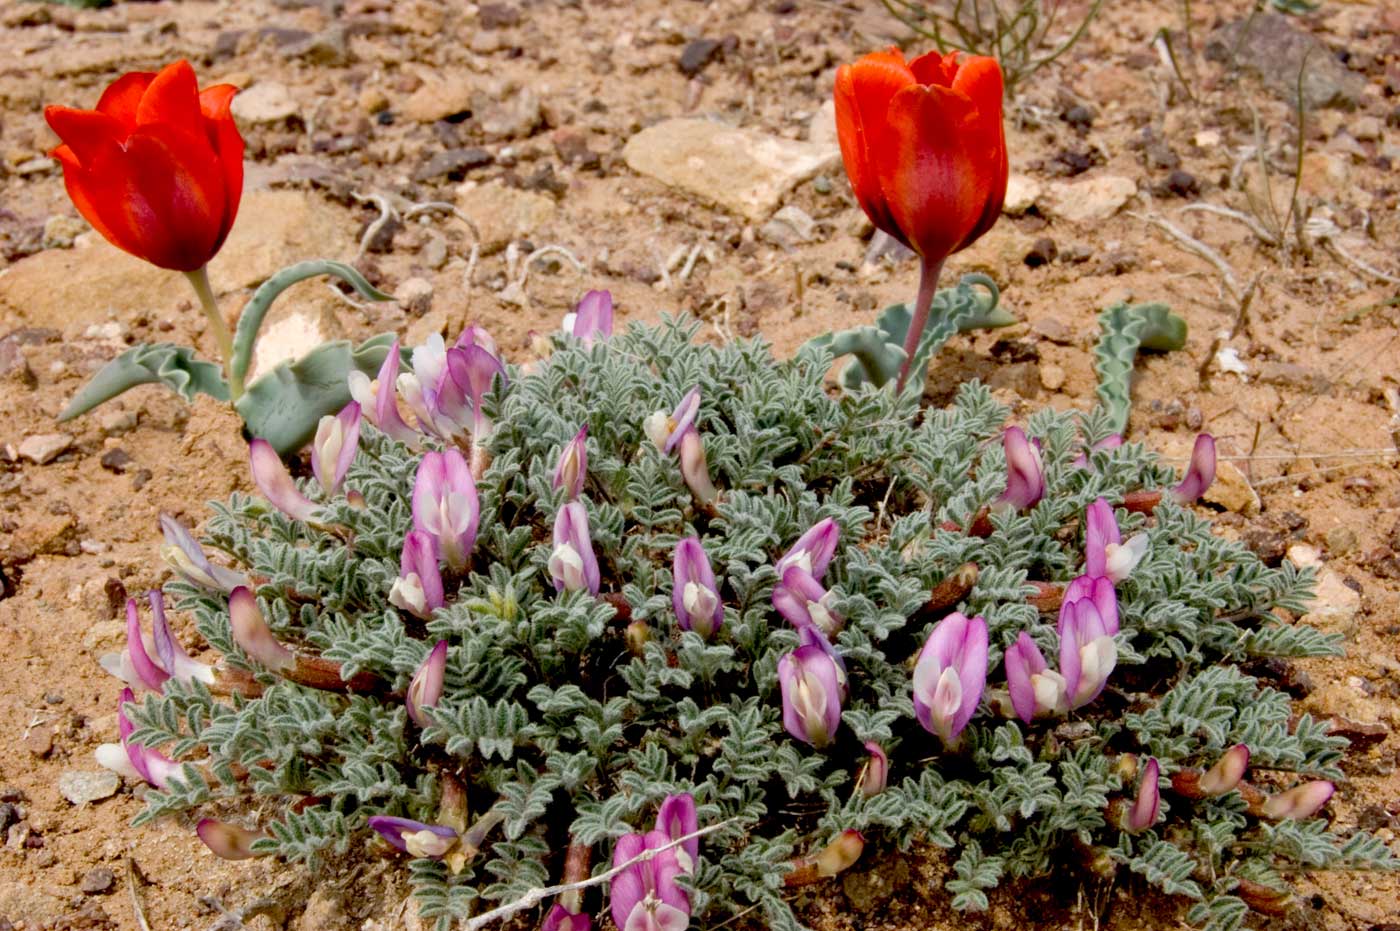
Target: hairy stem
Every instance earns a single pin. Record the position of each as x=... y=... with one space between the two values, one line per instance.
x=199 y=280
x=928 y=287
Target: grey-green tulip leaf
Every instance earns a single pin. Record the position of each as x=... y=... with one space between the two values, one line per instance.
x=1124 y=330
x=175 y=367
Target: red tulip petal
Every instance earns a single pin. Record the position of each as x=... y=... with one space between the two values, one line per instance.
x=85 y=132
x=84 y=193
x=863 y=94
x=933 y=68
x=980 y=79
x=172 y=98
x=223 y=135
x=123 y=96
x=935 y=177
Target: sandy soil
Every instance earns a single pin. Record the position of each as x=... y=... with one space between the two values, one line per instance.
x=555 y=90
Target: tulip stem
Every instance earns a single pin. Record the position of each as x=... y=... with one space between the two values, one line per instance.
x=199 y=280
x=929 y=272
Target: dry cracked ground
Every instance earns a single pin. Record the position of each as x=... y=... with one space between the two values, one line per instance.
x=489 y=162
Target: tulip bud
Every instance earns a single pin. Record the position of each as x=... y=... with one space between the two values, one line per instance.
x=802 y=601
x=560 y=918
x=813 y=550
x=676 y=818
x=253 y=636
x=573 y=465
x=378 y=399
x=694 y=468
x=1226 y=773
x=1200 y=473
x=841 y=854
x=573 y=564
x=418 y=589
x=183 y=553
x=811 y=695
x=228 y=841
x=425 y=689
x=1035 y=688
x=445 y=505
x=592 y=319
x=1087 y=650
x=950 y=676
x=645 y=895
x=431 y=841
x=876 y=772
x=275 y=482
x=666 y=430
x=1299 y=802
x=333 y=449
x=1025 y=480
x=1143 y=814
x=694 y=592
x=1105 y=553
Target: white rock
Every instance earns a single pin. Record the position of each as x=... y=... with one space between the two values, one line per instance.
x=741 y=170
x=1091 y=201
x=1207 y=139
x=264 y=102
x=821 y=130
x=1232 y=491
x=1334 y=606
x=43 y=448
x=790 y=226
x=1022 y=192
x=82 y=786
x=1302 y=555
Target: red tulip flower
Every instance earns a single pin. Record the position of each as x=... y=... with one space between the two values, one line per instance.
x=925 y=152
x=157 y=169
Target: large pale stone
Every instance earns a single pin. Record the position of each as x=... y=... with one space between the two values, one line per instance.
x=439 y=98
x=264 y=102
x=1093 y=200
x=1335 y=605
x=741 y=170
x=1022 y=192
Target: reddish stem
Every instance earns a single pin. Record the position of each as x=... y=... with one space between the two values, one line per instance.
x=928 y=287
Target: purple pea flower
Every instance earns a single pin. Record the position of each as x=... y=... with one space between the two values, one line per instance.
x=560 y=918
x=1035 y=688
x=472 y=370
x=876 y=772
x=137 y=668
x=418 y=589
x=950 y=676
x=445 y=505
x=811 y=690
x=333 y=450
x=275 y=482
x=1143 y=814
x=1025 y=479
x=573 y=563
x=802 y=601
x=378 y=399
x=228 y=841
x=809 y=636
x=1087 y=651
x=183 y=553
x=666 y=430
x=813 y=550
x=1299 y=802
x=422 y=390
x=475 y=335
x=645 y=896
x=1105 y=553
x=251 y=633
x=592 y=319
x=425 y=688
x=132 y=759
x=694 y=468
x=1200 y=473
x=1101 y=592
x=572 y=468
x=694 y=592
x=430 y=841
x=676 y=818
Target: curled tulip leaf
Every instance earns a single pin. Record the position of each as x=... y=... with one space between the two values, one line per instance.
x=1124 y=330
x=251 y=319
x=284 y=406
x=175 y=367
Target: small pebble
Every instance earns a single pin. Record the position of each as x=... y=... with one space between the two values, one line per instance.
x=1042 y=252
x=43 y=448
x=1183 y=183
x=97 y=881
x=116 y=460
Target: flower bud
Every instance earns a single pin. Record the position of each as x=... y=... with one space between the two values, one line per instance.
x=572 y=469
x=876 y=772
x=638 y=635
x=418 y=589
x=694 y=592
x=1025 y=480
x=1143 y=814
x=1105 y=553
x=1301 y=801
x=694 y=469
x=592 y=319
x=445 y=505
x=573 y=563
x=950 y=675
x=430 y=841
x=1035 y=688
x=1226 y=773
x=811 y=695
x=275 y=482
x=1200 y=473
x=425 y=689
x=676 y=818
x=228 y=841
x=841 y=854
x=253 y=636
x=183 y=553
x=813 y=550
x=333 y=449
